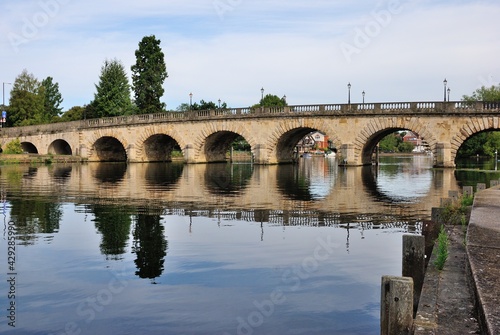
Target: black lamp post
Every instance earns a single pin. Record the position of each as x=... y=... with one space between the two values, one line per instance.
x=190 y=101
x=363 y=94
x=445 y=82
x=448 y=91
x=262 y=93
x=284 y=99
x=349 y=93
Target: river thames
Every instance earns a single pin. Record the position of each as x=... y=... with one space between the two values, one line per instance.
x=208 y=248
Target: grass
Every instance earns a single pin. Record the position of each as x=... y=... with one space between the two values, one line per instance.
x=442 y=251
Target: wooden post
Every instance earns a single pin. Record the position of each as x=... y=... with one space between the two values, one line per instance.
x=414 y=264
x=396 y=310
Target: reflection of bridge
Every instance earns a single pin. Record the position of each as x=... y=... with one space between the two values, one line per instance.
x=254 y=193
x=205 y=136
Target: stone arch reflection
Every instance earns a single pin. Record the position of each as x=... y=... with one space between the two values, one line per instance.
x=61 y=174
x=163 y=175
x=227 y=179
x=109 y=173
x=311 y=179
x=399 y=179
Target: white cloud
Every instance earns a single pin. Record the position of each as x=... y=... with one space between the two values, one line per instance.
x=291 y=48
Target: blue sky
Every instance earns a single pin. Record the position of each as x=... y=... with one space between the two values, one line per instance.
x=397 y=50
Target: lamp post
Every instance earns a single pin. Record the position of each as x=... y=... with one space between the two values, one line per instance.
x=445 y=82
x=349 y=93
x=496 y=160
x=190 y=101
x=219 y=103
x=448 y=91
x=284 y=99
x=262 y=93
x=363 y=94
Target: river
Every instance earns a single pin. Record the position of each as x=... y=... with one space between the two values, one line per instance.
x=207 y=249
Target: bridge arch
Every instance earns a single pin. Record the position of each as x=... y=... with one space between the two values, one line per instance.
x=283 y=140
x=371 y=135
x=29 y=148
x=60 y=147
x=154 y=145
x=108 y=149
x=472 y=127
x=214 y=142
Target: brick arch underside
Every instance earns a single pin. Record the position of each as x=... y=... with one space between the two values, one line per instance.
x=281 y=144
x=471 y=127
x=376 y=129
x=107 y=147
x=155 y=144
x=214 y=140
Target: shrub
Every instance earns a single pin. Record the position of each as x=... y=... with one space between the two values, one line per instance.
x=14 y=147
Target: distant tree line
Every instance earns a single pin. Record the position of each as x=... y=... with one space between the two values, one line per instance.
x=37 y=102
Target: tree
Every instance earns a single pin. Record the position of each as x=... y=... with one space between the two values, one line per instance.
x=491 y=94
x=148 y=75
x=271 y=100
x=113 y=91
x=53 y=100
x=485 y=143
x=204 y=105
x=75 y=113
x=27 y=101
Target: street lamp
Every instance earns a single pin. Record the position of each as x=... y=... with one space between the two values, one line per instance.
x=445 y=82
x=262 y=93
x=284 y=98
x=190 y=101
x=219 y=103
x=349 y=93
x=448 y=91
x=363 y=94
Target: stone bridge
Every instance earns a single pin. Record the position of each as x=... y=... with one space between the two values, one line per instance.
x=205 y=136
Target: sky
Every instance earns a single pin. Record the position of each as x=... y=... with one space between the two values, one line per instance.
x=308 y=51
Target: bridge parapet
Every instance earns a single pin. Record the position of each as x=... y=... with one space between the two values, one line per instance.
x=343 y=110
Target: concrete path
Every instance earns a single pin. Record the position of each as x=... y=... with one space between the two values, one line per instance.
x=483 y=250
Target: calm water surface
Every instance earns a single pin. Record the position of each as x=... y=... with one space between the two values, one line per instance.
x=207 y=249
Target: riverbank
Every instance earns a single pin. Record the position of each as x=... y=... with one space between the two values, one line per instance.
x=38 y=159
x=463 y=297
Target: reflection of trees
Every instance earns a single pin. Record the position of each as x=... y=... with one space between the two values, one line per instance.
x=227 y=178
x=294 y=184
x=35 y=216
x=150 y=246
x=113 y=222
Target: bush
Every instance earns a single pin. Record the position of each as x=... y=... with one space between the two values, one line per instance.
x=14 y=147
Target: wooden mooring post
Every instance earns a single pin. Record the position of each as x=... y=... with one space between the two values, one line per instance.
x=414 y=263
x=396 y=310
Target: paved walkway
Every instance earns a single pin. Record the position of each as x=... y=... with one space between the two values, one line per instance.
x=483 y=250
x=447 y=303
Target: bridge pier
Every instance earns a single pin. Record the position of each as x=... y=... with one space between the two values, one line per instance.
x=260 y=155
x=189 y=154
x=348 y=155
x=443 y=156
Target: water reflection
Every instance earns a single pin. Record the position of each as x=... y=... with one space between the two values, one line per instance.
x=163 y=175
x=227 y=179
x=109 y=173
x=150 y=246
x=235 y=234
x=113 y=223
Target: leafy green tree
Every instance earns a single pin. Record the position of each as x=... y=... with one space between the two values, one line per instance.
x=75 y=113
x=491 y=94
x=485 y=143
x=53 y=100
x=206 y=105
x=390 y=143
x=271 y=100
x=148 y=74
x=27 y=101
x=113 y=91
x=405 y=147
x=13 y=147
